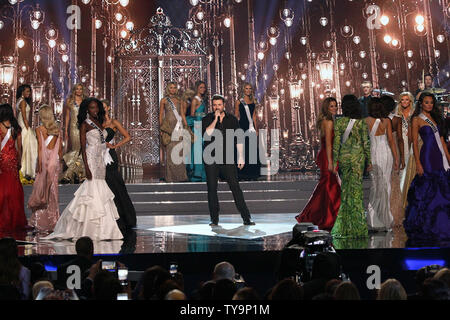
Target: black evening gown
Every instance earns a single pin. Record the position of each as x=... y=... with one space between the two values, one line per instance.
x=250 y=171
x=115 y=182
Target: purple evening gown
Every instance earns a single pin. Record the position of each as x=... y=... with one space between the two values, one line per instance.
x=427 y=217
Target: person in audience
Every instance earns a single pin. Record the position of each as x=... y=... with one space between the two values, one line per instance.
x=433 y=289
x=443 y=275
x=326 y=266
x=175 y=294
x=40 y=285
x=12 y=272
x=287 y=289
x=51 y=294
x=165 y=288
x=392 y=289
x=224 y=290
x=246 y=294
x=150 y=282
x=85 y=251
x=421 y=275
x=330 y=289
x=106 y=286
x=224 y=270
x=206 y=291
x=346 y=291
x=38 y=273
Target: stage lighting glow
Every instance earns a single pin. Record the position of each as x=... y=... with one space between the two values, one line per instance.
x=323 y=21
x=124 y=3
x=227 y=22
x=416 y=264
x=119 y=16
x=35 y=24
x=20 y=43
x=420 y=20
x=384 y=20
x=387 y=38
x=129 y=26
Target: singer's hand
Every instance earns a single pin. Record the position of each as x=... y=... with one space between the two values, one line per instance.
x=110 y=146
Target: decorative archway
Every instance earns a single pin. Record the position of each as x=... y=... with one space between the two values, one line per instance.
x=144 y=63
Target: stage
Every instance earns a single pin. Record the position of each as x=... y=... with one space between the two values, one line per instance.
x=173 y=227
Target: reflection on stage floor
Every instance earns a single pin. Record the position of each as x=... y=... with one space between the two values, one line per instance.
x=192 y=234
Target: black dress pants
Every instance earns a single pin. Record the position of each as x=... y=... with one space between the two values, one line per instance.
x=229 y=173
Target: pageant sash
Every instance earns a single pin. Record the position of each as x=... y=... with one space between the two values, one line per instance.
x=176 y=114
x=438 y=140
x=251 y=128
x=6 y=138
x=106 y=156
x=350 y=125
x=48 y=140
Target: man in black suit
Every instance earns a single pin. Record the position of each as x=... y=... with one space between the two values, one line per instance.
x=364 y=100
x=218 y=122
x=85 y=251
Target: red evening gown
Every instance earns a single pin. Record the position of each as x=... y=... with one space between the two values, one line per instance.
x=12 y=211
x=323 y=206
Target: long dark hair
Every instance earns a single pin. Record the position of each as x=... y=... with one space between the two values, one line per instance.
x=6 y=113
x=324 y=113
x=82 y=113
x=10 y=264
x=435 y=113
x=351 y=108
x=20 y=91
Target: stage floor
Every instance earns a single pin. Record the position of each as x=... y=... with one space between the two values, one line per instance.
x=192 y=234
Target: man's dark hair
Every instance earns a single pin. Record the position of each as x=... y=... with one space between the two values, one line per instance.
x=218 y=97
x=106 y=286
x=84 y=247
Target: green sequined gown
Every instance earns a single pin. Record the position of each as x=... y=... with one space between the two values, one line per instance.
x=352 y=157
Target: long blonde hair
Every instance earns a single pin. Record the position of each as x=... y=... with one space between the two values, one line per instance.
x=399 y=104
x=48 y=120
x=242 y=93
x=71 y=97
x=166 y=92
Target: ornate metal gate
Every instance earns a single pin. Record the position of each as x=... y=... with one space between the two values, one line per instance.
x=144 y=63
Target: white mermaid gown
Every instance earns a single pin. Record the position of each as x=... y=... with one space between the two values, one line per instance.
x=92 y=212
x=379 y=216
